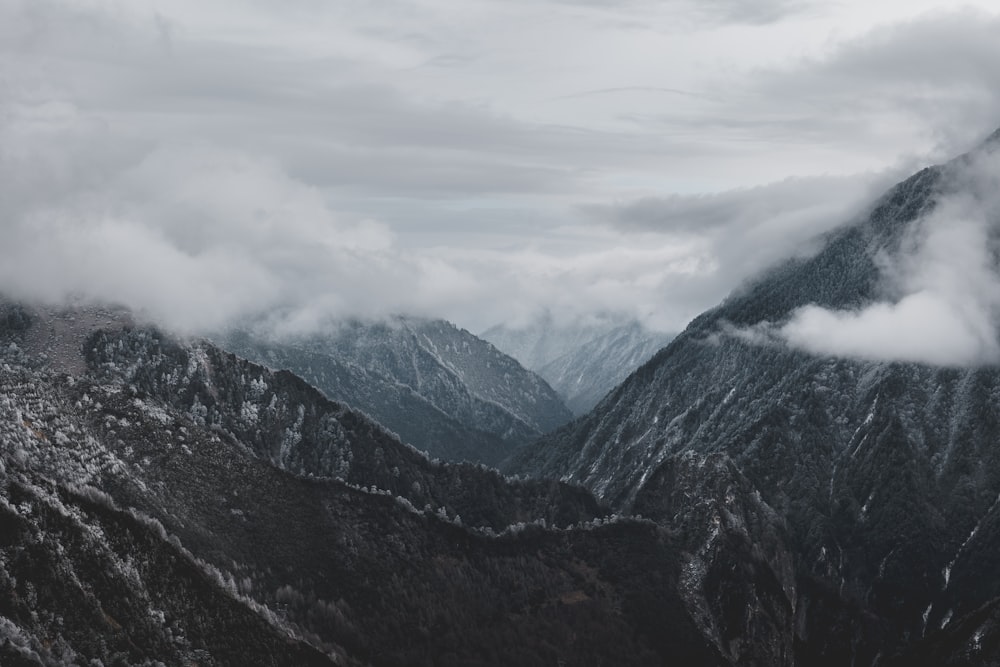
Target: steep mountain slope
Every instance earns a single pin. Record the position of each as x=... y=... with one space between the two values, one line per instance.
x=182 y=490
x=582 y=362
x=440 y=388
x=887 y=473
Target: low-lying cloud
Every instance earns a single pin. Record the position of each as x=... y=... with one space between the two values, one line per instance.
x=202 y=163
x=946 y=309
x=196 y=235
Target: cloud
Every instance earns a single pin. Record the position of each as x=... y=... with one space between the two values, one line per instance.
x=933 y=75
x=739 y=233
x=200 y=182
x=208 y=161
x=718 y=11
x=195 y=235
x=946 y=309
x=753 y=13
x=338 y=121
x=925 y=85
x=806 y=206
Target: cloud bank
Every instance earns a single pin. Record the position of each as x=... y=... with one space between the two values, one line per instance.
x=481 y=161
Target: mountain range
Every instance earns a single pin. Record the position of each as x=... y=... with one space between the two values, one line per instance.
x=169 y=501
x=742 y=498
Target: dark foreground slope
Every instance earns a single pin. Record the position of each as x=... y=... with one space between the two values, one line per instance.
x=438 y=387
x=176 y=503
x=887 y=474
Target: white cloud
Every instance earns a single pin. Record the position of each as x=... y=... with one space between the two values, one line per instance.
x=194 y=236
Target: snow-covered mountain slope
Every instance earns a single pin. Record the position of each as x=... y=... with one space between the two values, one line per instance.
x=583 y=361
x=440 y=388
x=888 y=474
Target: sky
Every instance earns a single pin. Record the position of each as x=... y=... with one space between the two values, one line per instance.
x=479 y=160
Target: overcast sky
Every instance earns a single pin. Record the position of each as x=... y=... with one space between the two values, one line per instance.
x=478 y=160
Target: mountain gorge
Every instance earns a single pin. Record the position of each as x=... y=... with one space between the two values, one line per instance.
x=440 y=388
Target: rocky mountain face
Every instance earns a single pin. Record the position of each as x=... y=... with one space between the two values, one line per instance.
x=886 y=475
x=171 y=503
x=438 y=387
x=582 y=362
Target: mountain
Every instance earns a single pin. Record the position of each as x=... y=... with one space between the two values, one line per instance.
x=886 y=474
x=584 y=361
x=746 y=502
x=440 y=388
x=165 y=500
